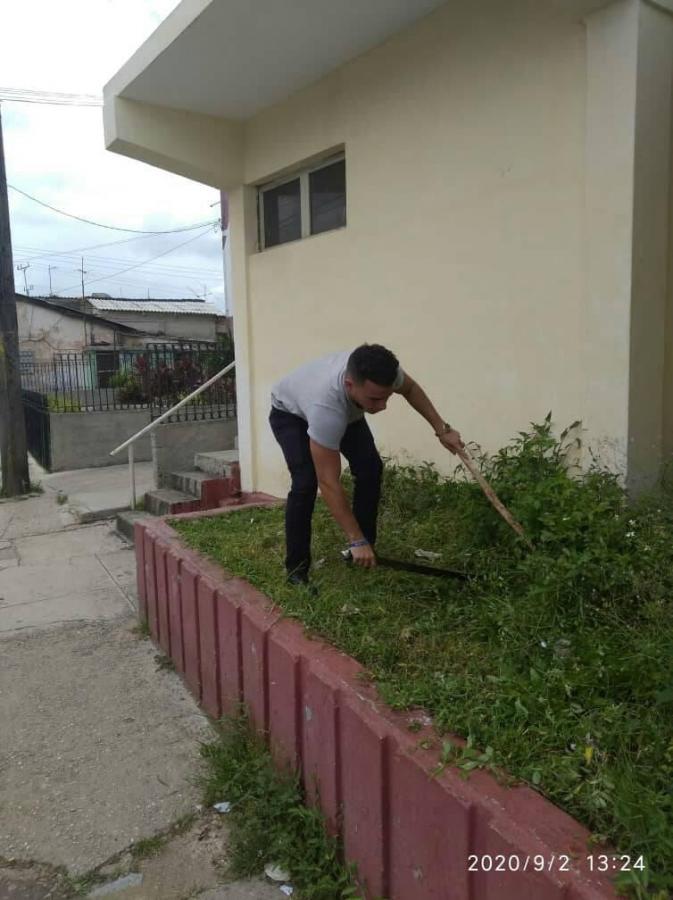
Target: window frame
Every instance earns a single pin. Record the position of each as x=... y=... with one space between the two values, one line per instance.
x=304 y=199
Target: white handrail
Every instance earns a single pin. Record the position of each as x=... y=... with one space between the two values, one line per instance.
x=146 y=430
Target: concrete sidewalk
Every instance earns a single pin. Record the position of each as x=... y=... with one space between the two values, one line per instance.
x=99 y=741
x=94 y=494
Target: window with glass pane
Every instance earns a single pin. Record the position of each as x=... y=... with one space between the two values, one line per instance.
x=282 y=213
x=327 y=188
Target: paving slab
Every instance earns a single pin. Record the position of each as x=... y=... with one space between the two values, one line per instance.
x=34 y=515
x=68 y=545
x=121 y=567
x=56 y=592
x=101 y=492
x=99 y=746
x=190 y=865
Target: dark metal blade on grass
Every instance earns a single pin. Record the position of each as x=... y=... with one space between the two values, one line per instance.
x=417 y=568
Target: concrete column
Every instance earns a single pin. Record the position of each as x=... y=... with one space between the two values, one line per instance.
x=612 y=39
x=650 y=285
x=628 y=153
x=242 y=242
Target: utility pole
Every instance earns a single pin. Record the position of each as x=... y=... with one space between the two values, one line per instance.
x=83 y=271
x=22 y=268
x=13 y=451
x=51 y=293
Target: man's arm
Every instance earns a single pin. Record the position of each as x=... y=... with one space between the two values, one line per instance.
x=328 y=470
x=416 y=397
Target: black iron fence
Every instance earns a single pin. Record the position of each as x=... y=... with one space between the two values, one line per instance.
x=155 y=378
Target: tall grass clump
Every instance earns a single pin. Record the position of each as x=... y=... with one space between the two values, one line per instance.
x=269 y=821
x=558 y=660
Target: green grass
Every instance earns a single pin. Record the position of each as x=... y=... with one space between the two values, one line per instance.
x=269 y=822
x=62 y=404
x=558 y=663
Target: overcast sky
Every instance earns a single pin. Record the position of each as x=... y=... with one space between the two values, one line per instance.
x=57 y=154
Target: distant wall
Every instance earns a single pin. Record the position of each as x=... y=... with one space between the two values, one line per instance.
x=84 y=440
x=175 y=443
x=180 y=327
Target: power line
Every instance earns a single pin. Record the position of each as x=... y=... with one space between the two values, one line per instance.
x=46 y=254
x=21 y=95
x=163 y=284
x=122 y=271
x=103 y=257
x=111 y=227
x=186 y=271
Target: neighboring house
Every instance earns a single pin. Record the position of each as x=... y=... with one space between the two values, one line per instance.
x=48 y=330
x=61 y=346
x=167 y=319
x=193 y=320
x=502 y=219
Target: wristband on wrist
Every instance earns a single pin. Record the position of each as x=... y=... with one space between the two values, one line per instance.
x=362 y=543
x=445 y=429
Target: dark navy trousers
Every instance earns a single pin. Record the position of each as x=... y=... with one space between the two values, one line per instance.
x=358 y=447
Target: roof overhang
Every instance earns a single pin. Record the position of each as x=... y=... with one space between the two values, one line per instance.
x=232 y=58
x=181 y=100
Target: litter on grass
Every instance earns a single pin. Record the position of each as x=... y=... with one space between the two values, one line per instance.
x=275 y=873
x=427 y=554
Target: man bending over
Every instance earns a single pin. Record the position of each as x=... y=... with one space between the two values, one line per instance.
x=317 y=413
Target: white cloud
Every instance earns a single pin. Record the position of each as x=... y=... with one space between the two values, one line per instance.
x=56 y=153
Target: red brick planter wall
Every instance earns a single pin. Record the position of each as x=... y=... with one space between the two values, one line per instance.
x=410 y=832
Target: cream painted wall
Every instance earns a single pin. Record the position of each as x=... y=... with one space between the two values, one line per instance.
x=203 y=148
x=508 y=170
x=465 y=155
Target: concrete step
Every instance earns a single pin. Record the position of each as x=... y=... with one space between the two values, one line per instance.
x=216 y=462
x=189 y=482
x=127 y=519
x=165 y=500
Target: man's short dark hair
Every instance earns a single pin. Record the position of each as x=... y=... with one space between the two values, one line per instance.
x=372 y=362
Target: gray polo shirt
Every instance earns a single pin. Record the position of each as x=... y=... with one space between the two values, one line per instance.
x=316 y=392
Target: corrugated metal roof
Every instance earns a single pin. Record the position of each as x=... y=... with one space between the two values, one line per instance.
x=180 y=307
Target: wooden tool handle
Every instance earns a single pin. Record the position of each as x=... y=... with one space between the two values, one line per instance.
x=464 y=454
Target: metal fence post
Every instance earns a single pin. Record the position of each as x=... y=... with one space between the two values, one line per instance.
x=132 y=475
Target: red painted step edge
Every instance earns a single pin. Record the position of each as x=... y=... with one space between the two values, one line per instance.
x=414 y=833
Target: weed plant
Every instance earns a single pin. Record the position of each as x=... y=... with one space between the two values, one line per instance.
x=269 y=821
x=557 y=662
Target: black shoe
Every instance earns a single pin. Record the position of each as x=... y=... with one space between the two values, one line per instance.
x=301 y=579
x=297 y=578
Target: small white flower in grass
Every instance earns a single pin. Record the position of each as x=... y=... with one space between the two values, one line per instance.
x=630 y=534
x=543 y=644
